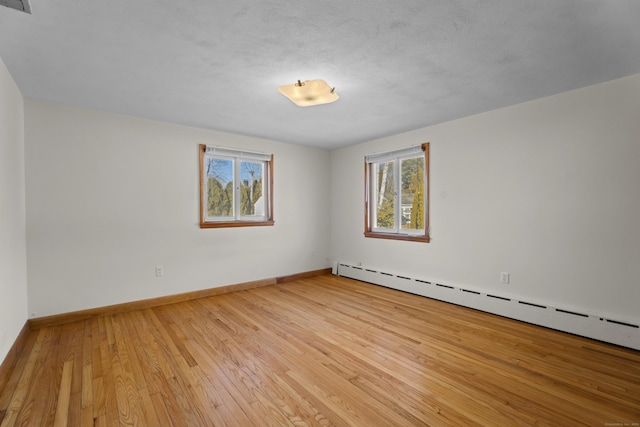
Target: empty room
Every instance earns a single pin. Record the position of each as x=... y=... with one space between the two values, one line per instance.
x=334 y=213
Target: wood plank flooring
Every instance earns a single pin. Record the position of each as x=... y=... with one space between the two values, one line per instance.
x=325 y=351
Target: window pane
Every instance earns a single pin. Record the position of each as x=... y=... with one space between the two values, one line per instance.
x=219 y=195
x=412 y=194
x=251 y=188
x=385 y=195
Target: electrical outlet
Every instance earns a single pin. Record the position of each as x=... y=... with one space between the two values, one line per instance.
x=504 y=278
x=159 y=271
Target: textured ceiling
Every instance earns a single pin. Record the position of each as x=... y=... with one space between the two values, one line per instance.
x=397 y=65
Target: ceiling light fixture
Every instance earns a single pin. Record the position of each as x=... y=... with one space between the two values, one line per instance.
x=309 y=92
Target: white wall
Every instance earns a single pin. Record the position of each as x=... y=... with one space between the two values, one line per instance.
x=109 y=197
x=13 y=270
x=548 y=191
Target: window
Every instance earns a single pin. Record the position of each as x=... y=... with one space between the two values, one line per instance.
x=397 y=194
x=236 y=188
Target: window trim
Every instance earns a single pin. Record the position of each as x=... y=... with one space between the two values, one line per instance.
x=236 y=223
x=368 y=226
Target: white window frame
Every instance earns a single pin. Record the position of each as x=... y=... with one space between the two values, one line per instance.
x=236 y=156
x=397 y=232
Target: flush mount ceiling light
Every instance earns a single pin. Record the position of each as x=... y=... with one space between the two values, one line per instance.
x=309 y=92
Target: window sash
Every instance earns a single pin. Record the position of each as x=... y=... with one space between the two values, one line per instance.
x=239 y=190
x=205 y=191
x=397 y=193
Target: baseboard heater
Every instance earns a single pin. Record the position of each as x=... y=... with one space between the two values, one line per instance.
x=597 y=326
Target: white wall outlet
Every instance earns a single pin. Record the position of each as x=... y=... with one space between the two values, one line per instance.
x=504 y=278
x=159 y=271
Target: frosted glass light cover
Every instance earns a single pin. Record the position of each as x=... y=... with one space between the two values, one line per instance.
x=311 y=92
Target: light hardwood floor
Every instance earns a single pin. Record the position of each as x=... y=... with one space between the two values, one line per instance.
x=318 y=351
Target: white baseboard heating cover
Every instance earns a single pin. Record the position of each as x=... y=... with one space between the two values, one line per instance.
x=597 y=326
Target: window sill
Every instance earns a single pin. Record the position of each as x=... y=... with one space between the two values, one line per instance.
x=227 y=224
x=392 y=236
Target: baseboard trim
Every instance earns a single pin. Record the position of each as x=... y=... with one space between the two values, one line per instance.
x=61 y=319
x=305 y=275
x=11 y=359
